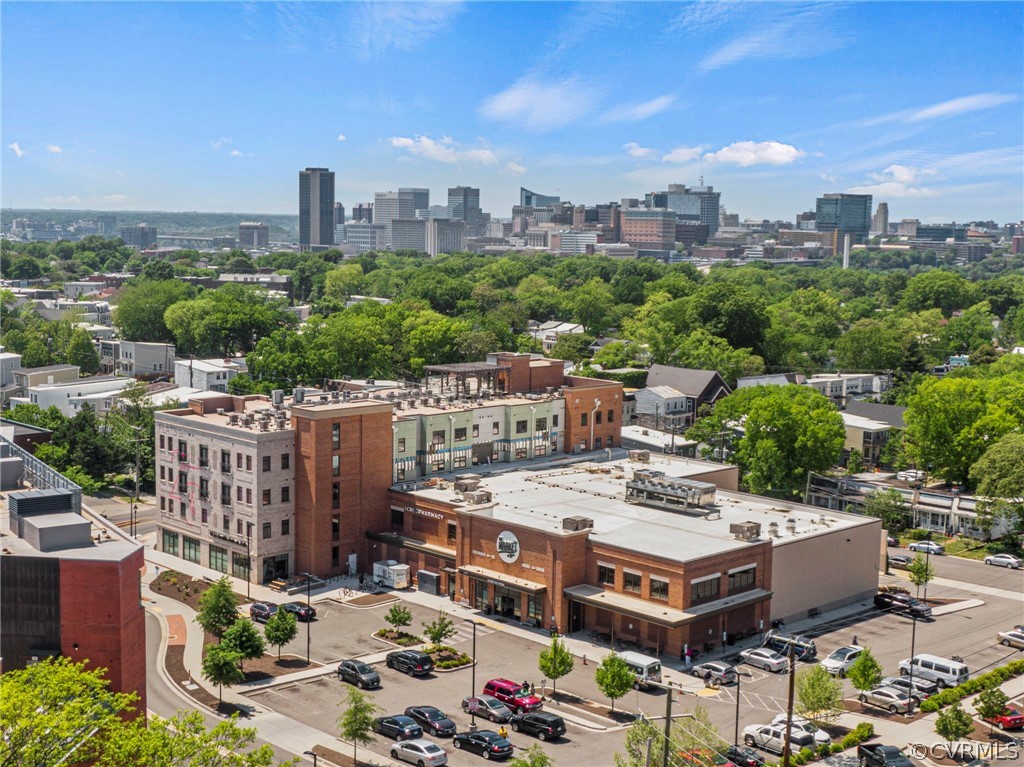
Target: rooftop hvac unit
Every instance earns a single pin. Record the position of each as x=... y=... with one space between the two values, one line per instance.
x=400 y=405
x=467 y=484
x=745 y=531
x=277 y=396
x=477 y=497
x=232 y=417
x=220 y=411
x=299 y=395
x=391 y=396
x=576 y=523
x=370 y=382
x=324 y=397
x=264 y=425
x=773 y=529
x=791 y=526
x=346 y=378
x=346 y=394
x=640 y=456
x=335 y=395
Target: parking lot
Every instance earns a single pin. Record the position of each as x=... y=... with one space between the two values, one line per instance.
x=342 y=631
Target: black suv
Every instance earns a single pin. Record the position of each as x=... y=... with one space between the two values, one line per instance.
x=540 y=723
x=412 y=662
x=358 y=673
x=903 y=603
x=262 y=611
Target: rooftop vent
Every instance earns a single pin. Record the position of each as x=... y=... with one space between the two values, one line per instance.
x=773 y=529
x=277 y=396
x=232 y=418
x=575 y=524
x=299 y=395
x=477 y=497
x=745 y=531
x=640 y=456
x=791 y=526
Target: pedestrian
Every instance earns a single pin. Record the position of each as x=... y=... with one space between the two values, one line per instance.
x=533 y=689
x=503 y=732
x=526 y=686
x=855 y=639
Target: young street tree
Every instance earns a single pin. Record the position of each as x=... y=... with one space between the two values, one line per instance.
x=990 y=704
x=866 y=672
x=221 y=666
x=439 y=629
x=48 y=713
x=399 y=616
x=920 y=571
x=697 y=732
x=954 y=723
x=555 y=661
x=819 y=695
x=218 y=608
x=356 y=721
x=280 y=629
x=614 y=678
x=644 y=745
x=245 y=639
x=534 y=756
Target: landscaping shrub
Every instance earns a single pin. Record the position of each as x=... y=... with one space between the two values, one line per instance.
x=993 y=678
x=917 y=534
x=858 y=735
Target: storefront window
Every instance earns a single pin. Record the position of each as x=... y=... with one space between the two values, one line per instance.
x=218 y=559
x=508 y=602
x=480 y=601
x=170 y=543
x=631 y=582
x=534 y=605
x=191 y=549
x=704 y=591
x=239 y=565
x=659 y=589
x=743 y=580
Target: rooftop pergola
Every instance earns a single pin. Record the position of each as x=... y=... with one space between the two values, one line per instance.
x=487 y=375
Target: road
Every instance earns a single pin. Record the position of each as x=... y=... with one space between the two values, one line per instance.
x=118 y=511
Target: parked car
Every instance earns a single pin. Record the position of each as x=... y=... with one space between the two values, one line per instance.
x=1013 y=638
x=891 y=541
x=487 y=743
x=1005 y=560
x=839 y=662
x=543 y=725
x=803 y=647
x=433 y=720
x=899 y=561
x=927 y=547
x=1010 y=719
x=877 y=755
x=411 y=662
x=896 y=701
x=805 y=725
x=420 y=752
x=922 y=689
x=770 y=737
x=358 y=673
x=903 y=603
x=399 y=727
x=704 y=757
x=488 y=707
x=764 y=658
x=261 y=611
x=514 y=695
x=717 y=671
x=742 y=756
x=300 y=611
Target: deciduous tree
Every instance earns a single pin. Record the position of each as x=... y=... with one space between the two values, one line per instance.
x=555 y=661
x=953 y=723
x=614 y=678
x=221 y=667
x=920 y=571
x=399 y=616
x=245 y=639
x=139 y=313
x=819 y=695
x=865 y=672
x=218 y=608
x=439 y=629
x=356 y=721
x=990 y=704
x=280 y=629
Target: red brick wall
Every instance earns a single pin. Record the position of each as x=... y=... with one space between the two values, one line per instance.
x=581 y=396
x=519 y=377
x=546 y=374
x=103 y=621
x=366 y=461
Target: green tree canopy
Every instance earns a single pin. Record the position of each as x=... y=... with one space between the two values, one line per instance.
x=555 y=661
x=439 y=629
x=357 y=719
x=819 y=695
x=218 y=608
x=865 y=672
x=614 y=678
x=280 y=629
x=245 y=639
x=953 y=723
x=82 y=352
x=221 y=666
x=140 y=308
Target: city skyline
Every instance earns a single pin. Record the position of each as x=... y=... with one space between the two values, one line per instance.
x=775 y=105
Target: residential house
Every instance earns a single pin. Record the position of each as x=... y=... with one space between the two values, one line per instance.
x=208 y=375
x=702 y=387
x=549 y=332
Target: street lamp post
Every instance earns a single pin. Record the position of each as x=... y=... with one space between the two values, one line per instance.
x=309 y=583
x=248 y=566
x=913 y=641
x=472 y=692
x=312 y=754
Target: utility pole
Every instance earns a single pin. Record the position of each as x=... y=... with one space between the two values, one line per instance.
x=788 y=747
x=668 y=727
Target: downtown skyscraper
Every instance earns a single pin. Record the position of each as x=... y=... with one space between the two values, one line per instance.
x=316 y=209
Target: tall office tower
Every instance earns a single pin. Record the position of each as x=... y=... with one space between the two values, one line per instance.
x=880 y=221
x=409 y=234
x=805 y=220
x=419 y=199
x=139 y=236
x=316 y=209
x=363 y=212
x=106 y=222
x=843 y=214
x=339 y=214
x=699 y=205
x=464 y=205
x=649 y=228
x=526 y=197
x=253 y=234
x=445 y=236
x=403 y=204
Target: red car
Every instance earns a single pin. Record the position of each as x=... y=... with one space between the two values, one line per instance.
x=1010 y=719
x=514 y=695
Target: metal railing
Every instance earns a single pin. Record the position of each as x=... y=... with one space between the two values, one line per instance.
x=41 y=476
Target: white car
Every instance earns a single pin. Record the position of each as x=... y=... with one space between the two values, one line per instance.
x=764 y=658
x=805 y=725
x=896 y=701
x=1004 y=560
x=420 y=752
x=927 y=547
x=839 y=662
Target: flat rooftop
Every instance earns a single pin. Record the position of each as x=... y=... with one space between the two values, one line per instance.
x=541 y=497
x=107 y=543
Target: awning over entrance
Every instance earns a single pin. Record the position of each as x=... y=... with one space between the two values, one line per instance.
x=656 y=613
x=520 y=584
x=413 y=544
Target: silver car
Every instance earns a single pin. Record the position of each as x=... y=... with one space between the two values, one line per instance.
x=488 y=707
x=717 y=671
x=764 y=658
x=805 y=725
x=927 y=547
x=922 y=689
x=839 y=662
x=1014 y=638
x=895 y=701
x=420 y=752
x=1004 y=560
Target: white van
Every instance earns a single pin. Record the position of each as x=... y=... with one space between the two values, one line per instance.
x=942 y=671
x=646 y=668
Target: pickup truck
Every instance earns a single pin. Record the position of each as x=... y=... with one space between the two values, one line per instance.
x=877 y=755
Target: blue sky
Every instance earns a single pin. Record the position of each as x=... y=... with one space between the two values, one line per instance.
x=216 y=107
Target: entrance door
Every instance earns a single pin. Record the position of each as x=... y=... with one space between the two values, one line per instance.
x=575 y=617
x=353 y=563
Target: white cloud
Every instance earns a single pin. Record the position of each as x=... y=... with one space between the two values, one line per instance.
x=219 y=143
x=706 y=15
x=515 y=169
x=974 y=103
x=683 y=154
x=376 y=27
x=899 y=181
x=746 y=153
x=827 y=176
x=444 y=150
x=53 y=149
x=635 y=150
x=341 y=137
x=637 y=112
x=67 y=199
x=236 y=153
x=18 y=151
x=114 y=198
x=795 y=34
x=541 y=105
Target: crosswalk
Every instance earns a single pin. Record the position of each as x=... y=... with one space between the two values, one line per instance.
x=464 y=632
